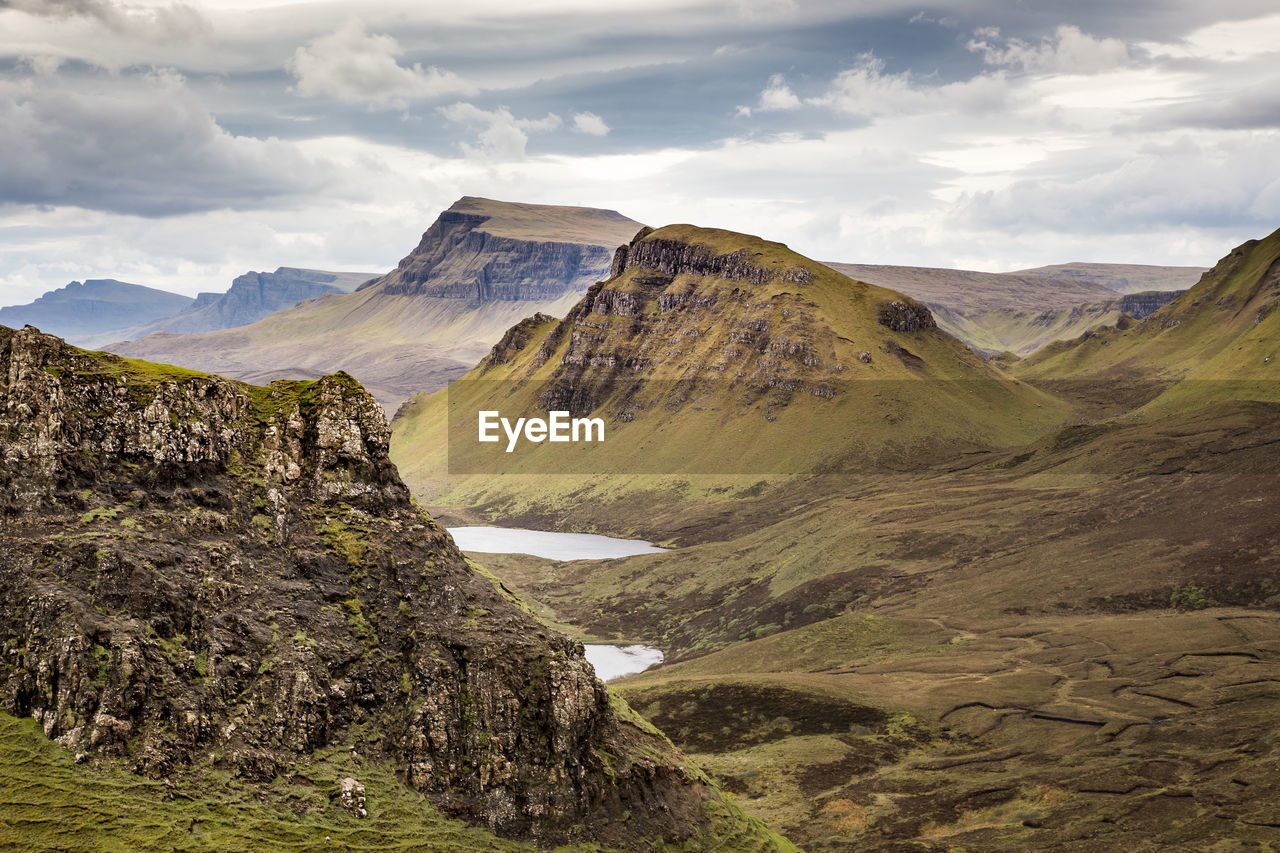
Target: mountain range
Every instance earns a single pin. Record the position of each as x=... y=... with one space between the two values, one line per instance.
x=916 y=597
x=82 y=311
x=480 y=268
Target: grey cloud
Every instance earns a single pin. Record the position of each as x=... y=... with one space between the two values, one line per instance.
x=358 y=67
x=1228 y=185
x=152 y=152
x=1255 y=108
x=174 y=21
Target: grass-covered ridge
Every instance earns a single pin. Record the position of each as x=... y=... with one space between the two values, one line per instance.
x=778 y=367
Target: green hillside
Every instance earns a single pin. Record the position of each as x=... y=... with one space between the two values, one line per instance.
x=1215 y=342
x=715 y=359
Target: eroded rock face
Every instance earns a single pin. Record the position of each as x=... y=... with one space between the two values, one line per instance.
x=195 y=570
x=1140 y=305
x=676 y=258
x=457 y=260
x=905 y=317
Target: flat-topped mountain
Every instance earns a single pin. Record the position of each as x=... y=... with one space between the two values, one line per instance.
x=1122 y=278
x=214 y=578
x=251 y=297
x=81 y=311
x=480 y=268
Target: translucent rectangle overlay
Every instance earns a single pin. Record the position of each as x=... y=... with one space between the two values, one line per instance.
x=639 y=426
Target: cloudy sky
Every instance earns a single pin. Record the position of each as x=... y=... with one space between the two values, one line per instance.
x=179 y=144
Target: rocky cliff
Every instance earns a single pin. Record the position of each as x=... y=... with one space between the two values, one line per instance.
x=1141 y=304
x=459 y=258
x=198 y=572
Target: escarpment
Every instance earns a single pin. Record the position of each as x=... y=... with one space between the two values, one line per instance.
x=198 y=572
x=459 y=259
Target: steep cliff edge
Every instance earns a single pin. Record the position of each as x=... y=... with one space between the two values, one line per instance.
x=483 y=266
x=198 y=572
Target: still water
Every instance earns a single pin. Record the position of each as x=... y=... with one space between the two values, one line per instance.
x=609 y=661
x=551 y=546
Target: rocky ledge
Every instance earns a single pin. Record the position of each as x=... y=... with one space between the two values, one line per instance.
x=198 y=572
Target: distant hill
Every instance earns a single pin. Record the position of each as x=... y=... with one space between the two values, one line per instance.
x=85 y=309
x=251 y=297
x=483 y=266
x=1022 y=311
x=1215 y=342
x=1122 y=278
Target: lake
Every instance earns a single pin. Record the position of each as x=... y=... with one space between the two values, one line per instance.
x=616 y=661
x=551 y=546
x=610 y=661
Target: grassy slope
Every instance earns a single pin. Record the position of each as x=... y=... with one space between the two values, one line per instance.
x=48 y=802
x=1019 y=613
x=895 y=410
x=1023 y=332
x=1215 y=342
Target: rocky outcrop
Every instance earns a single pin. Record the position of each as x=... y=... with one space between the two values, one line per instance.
x=673 y=258
x=516 y=339
x=1140 y=305
x=194 y=571
x=905 y=317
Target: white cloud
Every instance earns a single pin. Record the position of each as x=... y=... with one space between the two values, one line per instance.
x=866 y=90
x=502 y=135
x=1068 y=51
x=590 y=123
x=353 y=66
x=1208 y=180
x=778 y=95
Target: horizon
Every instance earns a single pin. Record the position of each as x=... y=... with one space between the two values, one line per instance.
x=177 y=146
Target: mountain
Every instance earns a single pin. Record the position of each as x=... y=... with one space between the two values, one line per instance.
x=480 y=268
x=82 y=310
x=207 y=581
x=1122 y=278
x=765 y=362
x=251 y=297
x=1020 y=312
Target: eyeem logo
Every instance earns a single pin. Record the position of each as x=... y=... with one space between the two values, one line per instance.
x=557 y=427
